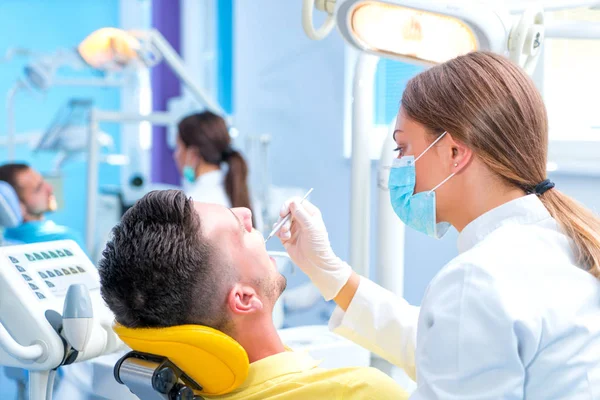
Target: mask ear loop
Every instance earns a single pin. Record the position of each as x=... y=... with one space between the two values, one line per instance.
x=430 y=146
x=425 y=151
x=444 y=181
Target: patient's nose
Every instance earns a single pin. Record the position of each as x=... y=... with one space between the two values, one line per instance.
x=245 y=215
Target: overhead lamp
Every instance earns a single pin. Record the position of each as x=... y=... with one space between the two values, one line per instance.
x=112 y=49
x=417 y=34
x=431 y=31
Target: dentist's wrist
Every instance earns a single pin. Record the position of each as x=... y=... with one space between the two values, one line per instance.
x=346 y=294
x=330 y=277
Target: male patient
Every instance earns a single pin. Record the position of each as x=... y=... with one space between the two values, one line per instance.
x=36 y=198
x=173 y=262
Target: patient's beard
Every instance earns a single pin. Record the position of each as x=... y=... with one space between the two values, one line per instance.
x=36 y=212
x=273 y=287
x=282 y=284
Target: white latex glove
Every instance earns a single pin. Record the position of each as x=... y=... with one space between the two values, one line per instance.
x=306 y=240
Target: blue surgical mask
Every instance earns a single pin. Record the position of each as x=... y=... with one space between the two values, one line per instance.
x=416 y=210
x=189 y=174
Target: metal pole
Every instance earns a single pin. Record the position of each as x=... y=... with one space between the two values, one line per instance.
x=573 y=30
x=92 y=182
x=519 y=6
x=174 y=61
x=97 y=116
x=362 y=124
x=156 y=118
x=92 y=82
x=389 y=267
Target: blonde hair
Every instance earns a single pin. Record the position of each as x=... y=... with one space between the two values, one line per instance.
x=488 y=103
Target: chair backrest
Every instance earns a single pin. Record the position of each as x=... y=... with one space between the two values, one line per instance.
x=211 y=358
x=10 y=209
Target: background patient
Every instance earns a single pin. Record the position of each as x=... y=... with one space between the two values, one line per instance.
x=36 y=198
x=172 y=262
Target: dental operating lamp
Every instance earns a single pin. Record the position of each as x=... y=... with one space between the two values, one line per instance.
x=112 y=49
x=428 y=32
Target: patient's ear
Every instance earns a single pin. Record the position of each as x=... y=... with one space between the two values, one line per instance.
x=243 y=299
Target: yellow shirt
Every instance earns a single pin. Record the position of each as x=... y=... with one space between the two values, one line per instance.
x=296 y=376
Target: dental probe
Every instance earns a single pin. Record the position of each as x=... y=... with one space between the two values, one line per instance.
x=285 y=219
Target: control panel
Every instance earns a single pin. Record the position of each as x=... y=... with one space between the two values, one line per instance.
x=34 y=280
x=49 y=272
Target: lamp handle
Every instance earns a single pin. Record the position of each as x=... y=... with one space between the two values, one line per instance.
x=307 y=18
x=526 y=38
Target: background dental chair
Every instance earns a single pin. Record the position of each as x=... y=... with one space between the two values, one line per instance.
x=10 y=216
x=10 y=210
x=181 y=362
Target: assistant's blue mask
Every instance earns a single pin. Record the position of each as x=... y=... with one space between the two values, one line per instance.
x=416 y=210
x=189 y=174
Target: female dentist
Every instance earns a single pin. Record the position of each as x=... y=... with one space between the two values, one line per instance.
x=203 y=145
x=517 y=314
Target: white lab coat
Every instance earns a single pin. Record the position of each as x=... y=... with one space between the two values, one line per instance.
x=209 y=188
x=512 y=317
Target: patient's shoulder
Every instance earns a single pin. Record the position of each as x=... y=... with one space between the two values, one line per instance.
x=369 y=383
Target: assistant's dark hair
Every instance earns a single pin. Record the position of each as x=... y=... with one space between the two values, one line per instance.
x=9 y=172
x=208 y=133
x=158 y=270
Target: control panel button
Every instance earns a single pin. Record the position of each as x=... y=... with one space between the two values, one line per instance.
x=50 y=284
x=37 y=256
x=13 y=260
x=58 y=273
x=73 y=270
x=19 y=268
x=80 y=269
x=42 y=275
x=45 y=255
x=50 y=274
x=68 y=252
x=66 y=271
x=34 y=287
x=40 y=296
x=26 y=277
x=53 y=254
x=60 y=253
x=30 y=257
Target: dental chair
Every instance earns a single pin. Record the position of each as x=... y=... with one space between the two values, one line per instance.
x=10 y=209
x=10 y=217
x=183 y=362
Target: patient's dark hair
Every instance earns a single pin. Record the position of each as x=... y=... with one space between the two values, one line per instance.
x=158 y=270
x=9 y=172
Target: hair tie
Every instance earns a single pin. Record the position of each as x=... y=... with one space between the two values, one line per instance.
x=543 y=187
x=227 y=153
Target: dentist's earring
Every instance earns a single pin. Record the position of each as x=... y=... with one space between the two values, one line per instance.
x=455 y=164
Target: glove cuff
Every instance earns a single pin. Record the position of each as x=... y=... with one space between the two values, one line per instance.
x=331 y=282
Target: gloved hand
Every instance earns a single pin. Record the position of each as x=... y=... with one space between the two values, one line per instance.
x=306 y=240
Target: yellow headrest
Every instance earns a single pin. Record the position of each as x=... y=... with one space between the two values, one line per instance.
x=214 y=360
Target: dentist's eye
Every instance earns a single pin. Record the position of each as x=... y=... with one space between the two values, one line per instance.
x=400 y=151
